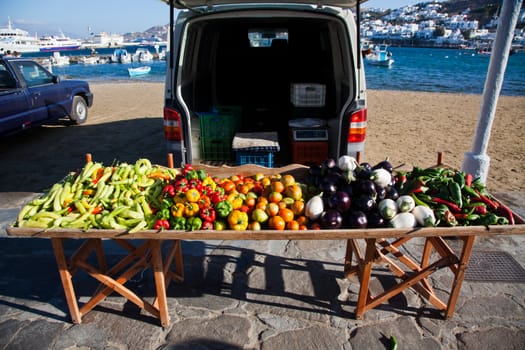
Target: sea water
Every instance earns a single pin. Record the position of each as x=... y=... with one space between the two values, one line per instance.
x=414 y=69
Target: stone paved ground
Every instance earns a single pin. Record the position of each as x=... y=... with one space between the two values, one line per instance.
x=252 y=295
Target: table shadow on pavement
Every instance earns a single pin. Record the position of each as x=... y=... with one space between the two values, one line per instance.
x=260 y=279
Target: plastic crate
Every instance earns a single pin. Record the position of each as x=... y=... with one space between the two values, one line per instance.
x=307 y=95
x=218 y=126
x=254 y=157
x=309 y=152
x=216 y=149
x=235 y=111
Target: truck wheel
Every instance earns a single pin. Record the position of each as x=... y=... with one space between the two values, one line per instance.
x=79 y=110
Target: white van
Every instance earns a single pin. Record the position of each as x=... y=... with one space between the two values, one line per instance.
x=288 y=69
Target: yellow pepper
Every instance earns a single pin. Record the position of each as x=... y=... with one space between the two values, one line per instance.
x=177 y=210
x=238 y=220
x=180 y=197
x=235 y=199
x=193 y=195
x=208 y=181
x=191 y=209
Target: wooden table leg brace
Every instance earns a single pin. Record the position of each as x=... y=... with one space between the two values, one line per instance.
x=417 y=274
x=149 y=254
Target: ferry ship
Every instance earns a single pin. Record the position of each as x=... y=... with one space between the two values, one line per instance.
x=58 y=43
x=15 y=40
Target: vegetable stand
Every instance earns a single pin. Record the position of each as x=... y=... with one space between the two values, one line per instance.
x=364 y=248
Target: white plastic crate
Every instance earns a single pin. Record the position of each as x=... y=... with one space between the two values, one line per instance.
x=307 y=95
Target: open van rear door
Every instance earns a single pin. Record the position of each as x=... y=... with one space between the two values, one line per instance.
x=181 y=4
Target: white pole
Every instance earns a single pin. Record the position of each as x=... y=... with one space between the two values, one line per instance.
x=476 y=162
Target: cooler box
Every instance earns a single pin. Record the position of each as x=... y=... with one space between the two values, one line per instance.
x=255 y=148
x=308 y=140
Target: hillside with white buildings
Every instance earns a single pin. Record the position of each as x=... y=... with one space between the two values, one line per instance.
x=431 y=25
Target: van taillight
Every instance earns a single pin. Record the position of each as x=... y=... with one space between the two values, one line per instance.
x=172 y=125
x=357 y=130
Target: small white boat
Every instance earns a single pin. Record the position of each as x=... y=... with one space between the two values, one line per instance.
x=59 y=60
x=380 y=56
x=142 y=55
x=138 y=71
x=88 y=60
x=121 y=56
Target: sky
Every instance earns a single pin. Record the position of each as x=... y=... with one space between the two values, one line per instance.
x=80 y=18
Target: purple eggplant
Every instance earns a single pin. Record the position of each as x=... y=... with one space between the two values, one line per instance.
x=375 y=220
x=340 y=200
x=357 y=219
x=331 y=219
x=364 y=203
x=385 y=164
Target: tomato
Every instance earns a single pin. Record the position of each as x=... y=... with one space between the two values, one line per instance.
x=275 y=197
x=298 y=207
x=254 y=226
x=292 y=225
x=288 y=180
x=286 y=214
x=277 y=186
x=228 y=185
x=294 y=191
x=277 y=223
x=272 y=209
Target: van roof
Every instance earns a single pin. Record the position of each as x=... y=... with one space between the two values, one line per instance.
x=206 y=3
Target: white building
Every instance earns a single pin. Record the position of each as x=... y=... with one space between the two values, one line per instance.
x=108 y=40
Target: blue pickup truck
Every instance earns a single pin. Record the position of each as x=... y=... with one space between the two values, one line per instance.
x=30 y=96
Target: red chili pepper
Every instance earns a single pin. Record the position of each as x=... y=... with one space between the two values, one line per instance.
x=97 y=210
x=468 y=179
x=452 y=206
x=484 y=199
x=505 y=211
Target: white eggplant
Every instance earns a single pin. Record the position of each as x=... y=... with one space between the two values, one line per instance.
x=347 y=163
x=387 y=208
x=405 y=203
x=424 y=216
x=403 y=220
x=381 y=177
x=314 y=208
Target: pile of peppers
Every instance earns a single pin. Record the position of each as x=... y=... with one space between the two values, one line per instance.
x=456 y=198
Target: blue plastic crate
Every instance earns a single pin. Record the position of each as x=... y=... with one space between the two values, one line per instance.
x=254 y=157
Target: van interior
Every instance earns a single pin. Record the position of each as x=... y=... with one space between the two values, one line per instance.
x=254 y=65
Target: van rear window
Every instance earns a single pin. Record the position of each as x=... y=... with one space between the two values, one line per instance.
x=265 y=37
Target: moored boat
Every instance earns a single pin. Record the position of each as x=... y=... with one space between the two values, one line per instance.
x=16 y=40
x=121 y=56
x=138 y=71
x=142 y=55
x=380 y=56
x=59 y=60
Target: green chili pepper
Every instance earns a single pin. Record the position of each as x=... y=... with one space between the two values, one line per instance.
x=455 y=193
x=223 y=208
x=459 y=178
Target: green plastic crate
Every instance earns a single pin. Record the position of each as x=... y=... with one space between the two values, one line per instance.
x=218 y=126
x=219 y=149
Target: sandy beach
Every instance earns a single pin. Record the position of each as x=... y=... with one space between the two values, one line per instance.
x=410 y=128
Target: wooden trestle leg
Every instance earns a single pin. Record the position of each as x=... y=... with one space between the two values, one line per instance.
x=415 y=277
